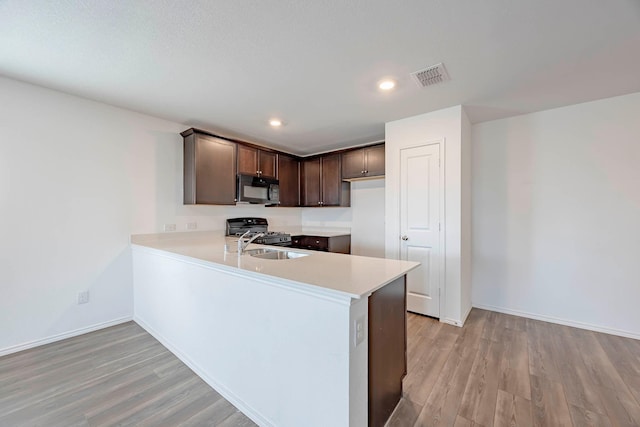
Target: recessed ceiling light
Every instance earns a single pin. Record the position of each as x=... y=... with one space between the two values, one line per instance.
x=387 y=84
x=275 y=123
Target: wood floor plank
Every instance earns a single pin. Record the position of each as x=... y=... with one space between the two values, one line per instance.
x=405 y=414
x=586 y=418
x=549 y=405
x=128 y=409
x=571 y=377
x=120 y=375
x=238 y=419
x=442 y=405
x=213 y=415
x=66 y=347
x=463 y=422
x=420 y=383
x=514 y=369
x=30 y=392
x=621 y=411
x=599 y=366
x=170 y=407
x=493 y=326
x=625 y=361
x=579 y=388
x=63 y=405
x=497 y=370
x=515 y=323
x=541 y=359
x=479 y=398
x=416 y=350
x=512 y=411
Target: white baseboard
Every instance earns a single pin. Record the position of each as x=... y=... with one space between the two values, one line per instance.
x=451 y=322
x=63 y=336
x=220 y=388
x=466 y=315
x=458 y=323
x=559 y=321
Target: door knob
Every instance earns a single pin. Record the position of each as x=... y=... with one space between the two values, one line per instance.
x=405 y=237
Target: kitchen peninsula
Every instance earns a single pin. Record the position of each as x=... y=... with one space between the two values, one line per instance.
x=314 y=340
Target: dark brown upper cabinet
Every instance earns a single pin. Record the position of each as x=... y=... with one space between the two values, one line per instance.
x=209 y=170
x=253 y=161
x=289 y=177
x=363 y=163
x=321 y=182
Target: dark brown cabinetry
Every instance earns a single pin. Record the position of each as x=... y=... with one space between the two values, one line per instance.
x=321 y=182
x=387 y=350
x=337 y=244
x=367 y=162
x=211 y=164
x=209 y=170
x=253 y=161
x=289 y=174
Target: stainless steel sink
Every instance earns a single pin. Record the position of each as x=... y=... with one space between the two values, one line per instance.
x=274 y=254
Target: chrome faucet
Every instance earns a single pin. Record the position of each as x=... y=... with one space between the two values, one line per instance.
x=242 y=245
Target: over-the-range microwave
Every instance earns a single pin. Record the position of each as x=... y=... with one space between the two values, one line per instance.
x=259 y=190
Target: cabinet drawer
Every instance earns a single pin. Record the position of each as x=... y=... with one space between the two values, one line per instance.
x=339 y=244
x=316 y=243
x=310 y=242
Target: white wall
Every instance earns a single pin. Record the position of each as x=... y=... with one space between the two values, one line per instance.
x=443 y=125
x=77 y=178
x=367 y=218
x=327 y=217
x=556 y=215
x=465 y=218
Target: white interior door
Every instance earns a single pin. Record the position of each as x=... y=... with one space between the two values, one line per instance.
x=420 y=190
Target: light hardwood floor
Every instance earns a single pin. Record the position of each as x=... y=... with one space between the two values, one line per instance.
x=501 y=370
x=498 y=370
x=116 y=376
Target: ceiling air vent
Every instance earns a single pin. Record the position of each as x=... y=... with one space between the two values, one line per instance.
x=431 y=75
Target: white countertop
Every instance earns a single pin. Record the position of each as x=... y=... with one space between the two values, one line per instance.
x=345 y=275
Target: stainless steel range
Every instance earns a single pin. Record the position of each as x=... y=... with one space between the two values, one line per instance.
x=239 y=226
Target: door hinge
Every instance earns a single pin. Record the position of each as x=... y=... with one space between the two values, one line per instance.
x=439 y=226
x=439 y=163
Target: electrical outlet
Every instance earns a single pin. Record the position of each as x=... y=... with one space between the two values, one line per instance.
x=83 y=297
x=169 y=227
x=192 y=226
x=359 y=330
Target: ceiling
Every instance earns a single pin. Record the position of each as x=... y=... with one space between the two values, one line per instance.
x=229 y=66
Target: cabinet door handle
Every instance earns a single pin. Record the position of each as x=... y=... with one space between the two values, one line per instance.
x=405 y=238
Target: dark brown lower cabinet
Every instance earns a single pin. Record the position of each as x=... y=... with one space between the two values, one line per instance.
x=387 y=350
x=337 y=244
